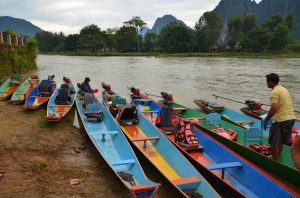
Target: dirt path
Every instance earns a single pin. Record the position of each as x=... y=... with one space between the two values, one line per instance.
x=39 y=160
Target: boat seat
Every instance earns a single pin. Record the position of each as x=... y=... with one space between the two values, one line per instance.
x=189 y=182
x=223 y=166
x=149 y=111
x=189 y=150
x=145 y=139
x=142 y=188
x=213 y=118
x=123 y=162
x=179 y=109
x=253 y=135
x=244 y=122
x=103 y=133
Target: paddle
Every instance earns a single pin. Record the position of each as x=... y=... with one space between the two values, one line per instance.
x=242 y=102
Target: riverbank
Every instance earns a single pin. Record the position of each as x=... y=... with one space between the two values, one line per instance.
x=38 y=159
x=182 y=55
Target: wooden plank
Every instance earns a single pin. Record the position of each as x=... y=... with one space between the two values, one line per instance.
x=244 y=122
x=123 y=162
x=179 y=109
x=145 y=138
x=187 y=180
x=224 y=165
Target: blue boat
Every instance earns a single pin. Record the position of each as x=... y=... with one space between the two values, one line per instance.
x=56 y=110
x=148 y=140
x=211 y=157
x=112 y=145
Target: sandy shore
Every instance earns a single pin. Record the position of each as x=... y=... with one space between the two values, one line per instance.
x=39 y=160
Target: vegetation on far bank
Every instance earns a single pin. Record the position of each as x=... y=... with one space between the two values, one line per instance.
x=243 y=35
x=19 y=60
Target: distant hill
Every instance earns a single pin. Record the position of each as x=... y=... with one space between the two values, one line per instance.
x=163 y=21
x=20 y=26
x=263 y=10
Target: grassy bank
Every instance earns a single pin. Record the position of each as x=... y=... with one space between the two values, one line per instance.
x=179 y=55
x=20 y=60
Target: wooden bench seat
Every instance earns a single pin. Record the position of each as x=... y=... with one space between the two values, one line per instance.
x=145 y=139
x=103 y=133
x=223 y=166
x=123 y=162
x=179 y=109
x=187 y=180
x=244 y=122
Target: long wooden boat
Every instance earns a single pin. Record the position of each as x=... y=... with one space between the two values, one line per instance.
x=284 y=168
x=112 y=145
x=235 y=117
x=230 y=170
x=24 y=89
x=36 y=99
x=8 y=87
x=56 y=110
x=160 y=152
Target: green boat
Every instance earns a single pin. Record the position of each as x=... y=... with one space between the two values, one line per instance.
x=24 y=89
x=284 y=168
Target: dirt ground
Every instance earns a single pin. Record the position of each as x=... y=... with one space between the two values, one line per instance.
x=38 y=159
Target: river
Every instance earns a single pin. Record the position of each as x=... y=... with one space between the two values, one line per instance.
x=186 y=78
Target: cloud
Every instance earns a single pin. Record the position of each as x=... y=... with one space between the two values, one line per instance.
x=69 y=16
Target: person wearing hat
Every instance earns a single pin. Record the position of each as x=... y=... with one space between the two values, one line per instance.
x=85 y=86
x=282 y=114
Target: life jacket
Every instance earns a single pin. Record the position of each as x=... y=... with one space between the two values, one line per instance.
x=227 y=133
x=184 y=136
x=260 y=148
x=63 y=96
x=45 y=88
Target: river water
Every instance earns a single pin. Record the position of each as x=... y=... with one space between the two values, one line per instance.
x=186 y=78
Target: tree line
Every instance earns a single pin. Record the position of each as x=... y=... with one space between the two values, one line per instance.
x=241 y=33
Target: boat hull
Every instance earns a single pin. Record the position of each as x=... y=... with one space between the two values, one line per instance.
x=56 y=113
x=20 y=95
x=7 y=89
x=116 y=151
x=34 y=100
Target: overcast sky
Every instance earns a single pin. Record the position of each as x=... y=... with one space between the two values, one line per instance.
x=69 y=16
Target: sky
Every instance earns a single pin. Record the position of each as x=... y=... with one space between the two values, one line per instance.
x=69 y=16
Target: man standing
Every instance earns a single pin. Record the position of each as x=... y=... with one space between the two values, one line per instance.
x=282 y=114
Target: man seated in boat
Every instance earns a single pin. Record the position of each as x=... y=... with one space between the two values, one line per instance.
x=85 y=86
x=282 y=114
x=47 y=87
x=64 y=95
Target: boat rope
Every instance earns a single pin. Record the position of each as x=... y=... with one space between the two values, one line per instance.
x=242 y=102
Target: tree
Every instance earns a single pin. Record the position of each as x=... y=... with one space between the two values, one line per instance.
x=48 y=41
x=138 y=24
x=126 y=39
x=275 y=20
x=249 y=22
x=289 y=21
x=92 y=39
x=71 y=43
x=235 y=27
x=208 y=30
x=256 y=40
x=151 y=42
x=176 y=37
x=279 y=38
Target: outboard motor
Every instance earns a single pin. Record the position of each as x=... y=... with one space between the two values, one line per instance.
x=167 y=96
x=253 y=105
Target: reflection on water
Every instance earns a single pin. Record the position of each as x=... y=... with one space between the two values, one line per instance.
x=186 y=78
